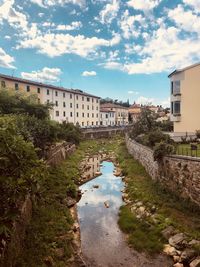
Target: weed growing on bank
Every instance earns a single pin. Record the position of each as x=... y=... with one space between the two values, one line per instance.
x=145 y=234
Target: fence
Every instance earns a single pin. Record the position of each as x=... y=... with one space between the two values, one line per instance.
x=190 y=151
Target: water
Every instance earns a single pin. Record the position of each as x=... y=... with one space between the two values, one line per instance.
x=103 y=244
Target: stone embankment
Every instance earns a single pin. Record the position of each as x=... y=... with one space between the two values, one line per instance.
x=179 y=245
x=180 y=174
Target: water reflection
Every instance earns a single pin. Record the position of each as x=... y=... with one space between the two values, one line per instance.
x=92 y=167
x=103 y=244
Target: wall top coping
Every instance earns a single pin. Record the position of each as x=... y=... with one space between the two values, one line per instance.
x=169 y=156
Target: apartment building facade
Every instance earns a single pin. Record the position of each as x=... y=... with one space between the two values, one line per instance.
x=107 y=117
x=70 y=105
x=185 y=99
x=121 y=113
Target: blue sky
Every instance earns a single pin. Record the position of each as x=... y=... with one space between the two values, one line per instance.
x=123 y=49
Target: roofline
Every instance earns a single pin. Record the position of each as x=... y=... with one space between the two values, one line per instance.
x=183 y=69
x=50 y=86
x=106 y=105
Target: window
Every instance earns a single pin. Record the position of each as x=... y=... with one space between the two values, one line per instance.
x=48 y=101
x=172 y=107
x=83 y=115
x=82 y=98
x=56 y=93
x=92 y=115
x=92 y=100
x=177 y=107
x=70 y=96
x=47 y=91
x=64 y=105
x=97 y=108
x=77 y=97
x=71 y=115
x=56 y=103
x=38 y=90
x=64 y=114
x=88 y=115
x=106 y=116
x=97 y=101
x=92 y=107
x=88 y=107
x=97 y=115
x=82 y=106
x=3 y=84
x=16 y=86
x=64 y=95
x=82 y=123
x=38 y=101
x=70 y=105
x=76 y=114
x=57 y=113
x=88 y=99
x=92 y=123
x=76 y=105
x=96 y=122
x=172 y=87
x=176 y=88
x=27 y=88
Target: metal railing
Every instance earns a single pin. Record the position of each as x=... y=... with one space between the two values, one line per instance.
x=192 y=151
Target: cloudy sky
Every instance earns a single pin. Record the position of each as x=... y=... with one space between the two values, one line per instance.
x=112 y=48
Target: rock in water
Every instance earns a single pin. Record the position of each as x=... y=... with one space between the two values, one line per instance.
x=106 y=204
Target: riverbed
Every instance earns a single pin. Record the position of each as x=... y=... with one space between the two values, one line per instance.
x=103 y=244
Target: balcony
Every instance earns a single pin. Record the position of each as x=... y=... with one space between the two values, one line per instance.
x=176 y=117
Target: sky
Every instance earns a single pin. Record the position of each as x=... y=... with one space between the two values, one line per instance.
x=122 y=49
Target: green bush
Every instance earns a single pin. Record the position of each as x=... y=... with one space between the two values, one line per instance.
x=162 y=149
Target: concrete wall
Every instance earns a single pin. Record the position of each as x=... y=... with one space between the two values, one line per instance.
x=180 y=174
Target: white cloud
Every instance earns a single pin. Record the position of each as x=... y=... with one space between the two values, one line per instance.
x=44 y=75
x=53 y=45
x=75 y=25
x=89 y=73
x=49 y=3
x=112 y=65
x=128 y=24
x=131 y=92
x=154 y=101
x=109 y=12
x=8 y=13
x=6 y=61
x=165 y=51
x=144 y=5
x=195 y=4
x=186 y=20
x=145 y=100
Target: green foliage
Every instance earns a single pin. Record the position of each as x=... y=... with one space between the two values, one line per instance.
x=69 y=133
x=20 y=170
x=171 y=209
x=142 y=235
x=16 y=103
x=166 y=126
x=198 y=134
x=145 y=123
x=162 y=149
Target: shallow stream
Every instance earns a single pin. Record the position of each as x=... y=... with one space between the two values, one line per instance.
x=103 y=243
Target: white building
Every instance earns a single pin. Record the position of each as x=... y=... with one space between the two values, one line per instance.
x=121 y=113
x=70 y=105
x=107 y=117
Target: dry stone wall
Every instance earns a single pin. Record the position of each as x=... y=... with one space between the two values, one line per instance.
x=180 y=174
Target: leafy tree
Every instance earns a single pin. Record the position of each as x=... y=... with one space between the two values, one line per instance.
x=16 y=103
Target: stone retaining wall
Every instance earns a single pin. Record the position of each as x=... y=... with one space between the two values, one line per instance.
x=180 y=174
x=59 y=152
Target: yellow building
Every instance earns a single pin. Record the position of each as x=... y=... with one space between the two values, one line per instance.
x=70 y=105
x=185 y=99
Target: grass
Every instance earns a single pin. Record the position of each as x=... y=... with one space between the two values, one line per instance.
x=171 y=210
x=51 y=221
x=185 y=150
